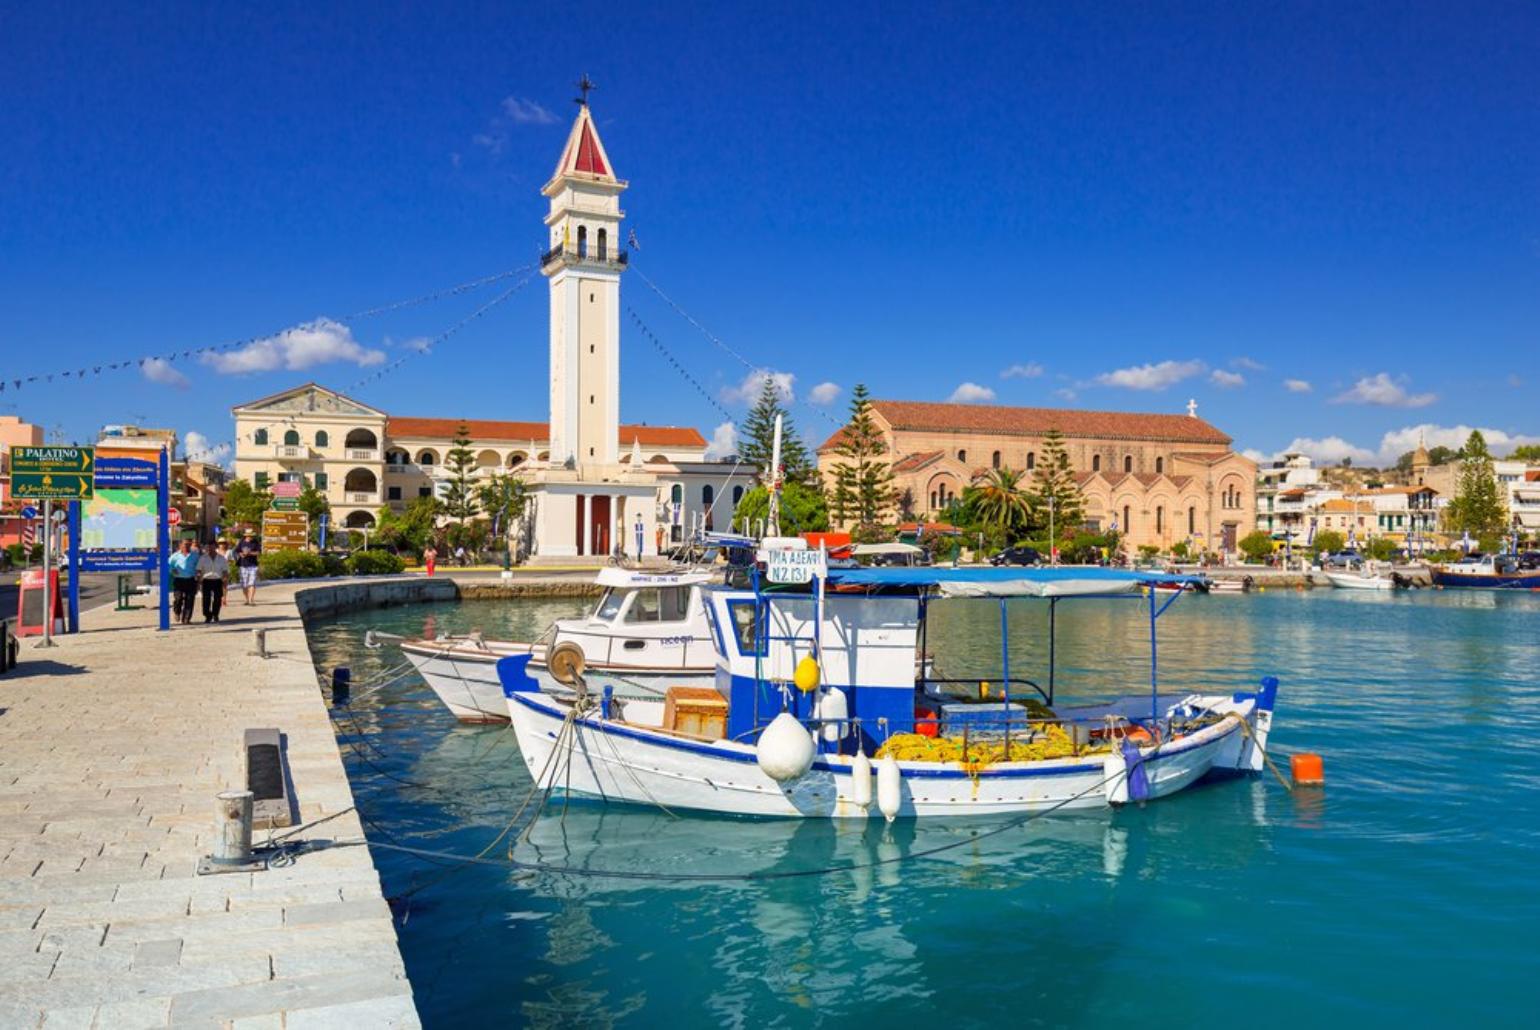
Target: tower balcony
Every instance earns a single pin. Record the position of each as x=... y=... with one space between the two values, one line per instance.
x=585 y=257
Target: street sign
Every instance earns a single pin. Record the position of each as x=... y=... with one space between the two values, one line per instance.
x=286 y=504
x=282 y=530
x=788 y=566
x=52 y=473
x=117 y=561
x=174 y=517
x=29 y=513
x=286 y=488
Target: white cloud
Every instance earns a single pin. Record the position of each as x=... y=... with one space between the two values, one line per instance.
x=724 y=441
x=1065 y=393
x=1296 y=386
x=823 y=393
x=1248 y=364
x=1029 y=370
x=1398 y=441
x=1225 y=380
x=418 y=345
x=1328 y=451
x=1151 y=377
x=1256 y=455
x=526 y=112
x=159 y=370
x=196 y=447
x=971 y=393
x=748 y=391
x=1384 y=391
x=314 y=343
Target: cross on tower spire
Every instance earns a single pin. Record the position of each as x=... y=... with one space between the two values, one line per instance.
x=585 y=85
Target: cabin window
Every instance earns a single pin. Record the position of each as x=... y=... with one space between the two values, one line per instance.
x=745 y=629
x=659 y=604
x=609 y=605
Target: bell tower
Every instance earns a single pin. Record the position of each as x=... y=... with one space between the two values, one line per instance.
x=583 y=265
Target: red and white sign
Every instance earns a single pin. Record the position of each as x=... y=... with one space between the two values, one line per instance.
x=173 y=516
x=286 y=488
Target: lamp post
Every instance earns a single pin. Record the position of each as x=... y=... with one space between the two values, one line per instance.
x=1053 y=550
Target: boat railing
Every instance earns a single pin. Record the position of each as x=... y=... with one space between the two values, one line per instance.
x=1009 y=683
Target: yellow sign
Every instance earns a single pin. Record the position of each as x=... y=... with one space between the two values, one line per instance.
x=283 y=530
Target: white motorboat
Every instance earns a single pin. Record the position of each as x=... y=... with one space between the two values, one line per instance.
x=648 y=632
x=754 y=745
x=1362 y=578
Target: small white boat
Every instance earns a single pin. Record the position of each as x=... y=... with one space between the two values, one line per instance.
x=1361 y=579
x=755 y=746
x=647 y=633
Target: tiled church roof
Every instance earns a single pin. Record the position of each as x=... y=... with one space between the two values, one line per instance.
x=927 y=416
x=484 y=429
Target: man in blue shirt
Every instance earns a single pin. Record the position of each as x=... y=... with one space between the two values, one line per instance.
x=184 y=581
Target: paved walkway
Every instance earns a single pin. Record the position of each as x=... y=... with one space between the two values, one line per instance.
x=112 y=747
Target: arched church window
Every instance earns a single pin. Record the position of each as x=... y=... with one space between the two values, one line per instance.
x=676 y=494
x=1031 y=460
x=1096 y=463
x=1160 y=465
x=582 y=241
x=604 y=243
x=1160 y=518
x=1192 y=519
x=962 y=456
x=994 y=459
x=1128 y=463
x=1128 y=522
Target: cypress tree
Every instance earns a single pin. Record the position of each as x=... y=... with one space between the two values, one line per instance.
x=757 y=442
x=863 y=481
x=460 y=496
x=1053 y=479
x=1477 y=507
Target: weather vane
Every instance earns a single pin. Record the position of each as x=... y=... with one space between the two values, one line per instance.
x=585 y=84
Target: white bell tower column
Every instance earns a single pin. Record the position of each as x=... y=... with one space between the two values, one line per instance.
x=583 y=264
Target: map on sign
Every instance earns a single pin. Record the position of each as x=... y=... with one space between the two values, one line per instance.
x=787 y=566
x=119 y=520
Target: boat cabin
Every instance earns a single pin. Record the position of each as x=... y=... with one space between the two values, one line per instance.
x=644 y=619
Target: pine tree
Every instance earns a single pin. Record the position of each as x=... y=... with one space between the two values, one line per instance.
x=1052 y=480
x=756 y=444
x=460 y=495
x=1477 y=507
x=863 y=481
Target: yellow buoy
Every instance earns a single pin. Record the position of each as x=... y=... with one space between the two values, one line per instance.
x=806 y=675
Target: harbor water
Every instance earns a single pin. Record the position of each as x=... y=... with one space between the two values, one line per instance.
x=1405 y=890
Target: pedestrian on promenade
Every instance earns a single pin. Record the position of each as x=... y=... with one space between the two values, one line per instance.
x=248 y=556
x=460 y=556
x=213 y=571
x=429 y=558
x=184 y=581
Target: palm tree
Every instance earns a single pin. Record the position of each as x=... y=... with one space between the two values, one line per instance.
x=1001 y=503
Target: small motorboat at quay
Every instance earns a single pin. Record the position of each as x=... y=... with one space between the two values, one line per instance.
x=1489 y=571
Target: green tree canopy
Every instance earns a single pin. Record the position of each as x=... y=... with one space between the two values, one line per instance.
x=314 y=504
x=460 y=494
x=803 y=509
x=1477 y=507
x=756 y=443
x=244 y=503
x=409 y=530
x=1002 y=508
x=1053 y=481
x=863 y=479
x=1256 y=545
x=1525 y=452
x=1328 y=541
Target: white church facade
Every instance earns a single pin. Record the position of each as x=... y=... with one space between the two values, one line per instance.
x=596 y=487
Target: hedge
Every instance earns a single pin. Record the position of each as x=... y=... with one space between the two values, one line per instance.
x=374 y=563
x=291 y=565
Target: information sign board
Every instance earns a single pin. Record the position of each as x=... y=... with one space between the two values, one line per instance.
x=282 y=530
x=52 y=473
x=788 y=566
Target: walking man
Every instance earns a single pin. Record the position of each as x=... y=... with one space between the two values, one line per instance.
x=213 y=571
x=248 y=555
x=184 y=581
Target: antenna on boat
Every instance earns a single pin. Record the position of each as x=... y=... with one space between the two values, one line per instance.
x=773 y=523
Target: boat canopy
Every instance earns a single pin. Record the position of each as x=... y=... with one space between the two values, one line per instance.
x=897 y=549
x=631 y=579
x=1055 y=581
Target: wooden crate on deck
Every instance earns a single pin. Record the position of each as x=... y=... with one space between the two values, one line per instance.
x=698 y=711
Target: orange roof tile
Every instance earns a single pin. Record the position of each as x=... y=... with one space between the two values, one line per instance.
x=990 y=418
x=533 y=432
x=915 y=462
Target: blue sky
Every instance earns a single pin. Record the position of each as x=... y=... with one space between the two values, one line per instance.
x=1320 y=222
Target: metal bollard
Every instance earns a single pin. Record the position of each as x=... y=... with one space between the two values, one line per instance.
x=259 y=643
x=342 y=680
x=233 y=811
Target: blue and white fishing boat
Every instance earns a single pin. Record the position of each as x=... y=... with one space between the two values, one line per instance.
x=1487 y=571
x=819 y=710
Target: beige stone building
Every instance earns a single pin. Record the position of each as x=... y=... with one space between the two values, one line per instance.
x=1159 y=479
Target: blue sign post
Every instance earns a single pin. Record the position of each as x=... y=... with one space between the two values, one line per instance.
x=321 y=528
x=29 y=513
x=163 y=537
x=75 y=568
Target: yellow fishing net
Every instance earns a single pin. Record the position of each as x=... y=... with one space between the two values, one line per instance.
x=1050 y=741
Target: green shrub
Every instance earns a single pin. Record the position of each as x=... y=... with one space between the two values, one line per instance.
x=335 y=564
x=374 y=563
x=16 y=553
x=291 y=565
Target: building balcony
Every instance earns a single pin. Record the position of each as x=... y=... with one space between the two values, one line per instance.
x=588 y=257
x=400 y=468
x=291 y=452
x=371 y=497
x=363 y=454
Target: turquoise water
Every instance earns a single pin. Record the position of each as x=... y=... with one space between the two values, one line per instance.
x=1405 y=890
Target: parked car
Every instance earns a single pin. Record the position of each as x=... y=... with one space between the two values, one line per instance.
x=1017 y=556
x=1341 y=560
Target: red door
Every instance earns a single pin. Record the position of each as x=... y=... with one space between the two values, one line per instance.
x=599 y=525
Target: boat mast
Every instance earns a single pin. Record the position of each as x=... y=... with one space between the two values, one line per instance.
x=773 y=522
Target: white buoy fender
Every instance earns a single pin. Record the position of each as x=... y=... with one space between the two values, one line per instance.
x=832 y=705
x=861 y=779
x=1116 y=785
x=785 y=749
x=889 y=787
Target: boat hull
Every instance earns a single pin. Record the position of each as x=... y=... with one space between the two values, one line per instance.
x=1355 y=581
x=632 y=764
x=465 y=679
x=1487 y=580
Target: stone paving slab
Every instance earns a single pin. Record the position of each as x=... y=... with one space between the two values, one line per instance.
x=112 y=747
